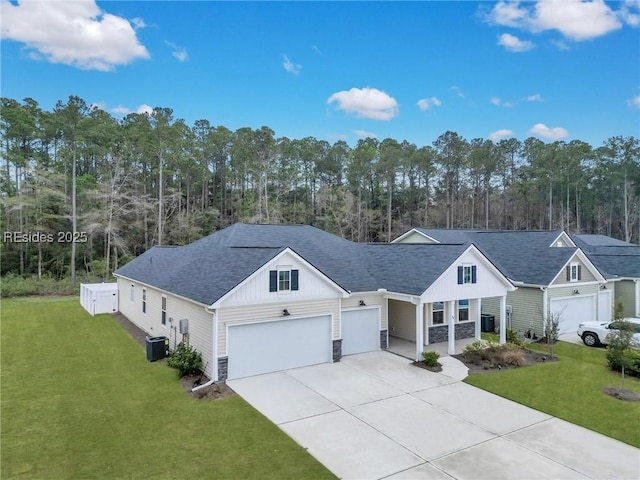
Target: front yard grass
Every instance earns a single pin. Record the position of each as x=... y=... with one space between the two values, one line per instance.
x=571 y=389
x=79 y=400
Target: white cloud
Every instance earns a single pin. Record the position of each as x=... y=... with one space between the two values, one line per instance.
x=121 y=110
x=577 y=20
x=541 y=130
x=366 y=103
x=634 y=102
x=459 y=93
x=500 y=134
x=316 y=49
x=514 y=44
x=427 y=103
x=291 y=67
x=178 y=52
x=76 y=33
x=533 y=98
x=499 y=103
x=365 y=134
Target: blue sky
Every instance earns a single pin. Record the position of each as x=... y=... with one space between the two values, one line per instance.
x=552 y=69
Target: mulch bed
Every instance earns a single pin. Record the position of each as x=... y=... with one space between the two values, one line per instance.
x=431 y=369
x=529 y=358
x=622 y=394
x=211 y=392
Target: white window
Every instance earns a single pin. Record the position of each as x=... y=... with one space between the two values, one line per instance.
x=284 y=280
x=437 y=313
x=466 y=276
x=144 y=300
x=574 y=272
x=463 y=310
x=132 y=293
x=163 y=317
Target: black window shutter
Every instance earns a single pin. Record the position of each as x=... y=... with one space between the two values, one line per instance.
x=459 y=275
x=294 y=279
x=579 y=272
x=273 y=280
x=473 y=274
x=568 y=273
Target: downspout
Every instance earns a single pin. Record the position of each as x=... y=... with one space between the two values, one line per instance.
x=214 y=350
x=545 y=307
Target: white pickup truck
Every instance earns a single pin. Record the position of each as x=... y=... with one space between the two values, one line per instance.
x=596 y=333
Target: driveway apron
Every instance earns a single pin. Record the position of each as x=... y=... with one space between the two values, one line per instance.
x=374 y=416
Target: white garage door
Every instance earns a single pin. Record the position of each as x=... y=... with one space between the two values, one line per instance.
x=360 y=330
x=605 y=309
x=264 y=347
x=573 y=311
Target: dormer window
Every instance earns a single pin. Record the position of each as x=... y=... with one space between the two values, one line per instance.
x=466 y=274
x=574 y=272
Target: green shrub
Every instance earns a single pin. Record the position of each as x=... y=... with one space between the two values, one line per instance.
x=186 y=359
x=512 y=337
x=630 y=358
x=430 y=359
x=16 y=286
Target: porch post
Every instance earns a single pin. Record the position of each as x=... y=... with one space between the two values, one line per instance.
x=503 y=319
x=478 y=318
x=419 y=331
x=452 y=326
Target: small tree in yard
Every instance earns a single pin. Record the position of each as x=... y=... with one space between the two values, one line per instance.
x=552 y=330
x=619 y=343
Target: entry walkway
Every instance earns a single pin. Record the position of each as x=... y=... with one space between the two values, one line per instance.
x=406 y=348
x=375 y=416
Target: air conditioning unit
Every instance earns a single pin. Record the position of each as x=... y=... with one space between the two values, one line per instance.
x=184 y=326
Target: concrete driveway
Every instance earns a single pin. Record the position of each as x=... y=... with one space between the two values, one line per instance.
x=375 y=416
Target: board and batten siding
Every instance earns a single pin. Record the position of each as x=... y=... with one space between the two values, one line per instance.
x=627 y=292
x=272 y=311
x=200 y=322
x=311 y=285
x=371 y=300
x=446 y=288
x=585 y=274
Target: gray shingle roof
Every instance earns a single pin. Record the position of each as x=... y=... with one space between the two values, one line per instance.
x=585 y=241
x=522 y=256
x=209 y=268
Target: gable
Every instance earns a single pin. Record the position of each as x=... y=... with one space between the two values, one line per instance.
x=562 y=240
x=414 y=236
x=489 y=282
x=577 y=270
x=305 y=282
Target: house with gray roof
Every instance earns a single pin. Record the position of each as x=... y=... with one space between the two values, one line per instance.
x=554 y=276
x=261 y=298
x=619 y=262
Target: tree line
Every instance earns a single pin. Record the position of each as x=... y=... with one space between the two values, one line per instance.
x=93 y=191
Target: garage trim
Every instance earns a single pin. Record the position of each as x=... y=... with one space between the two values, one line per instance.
x=590 y=297
x=240 y=370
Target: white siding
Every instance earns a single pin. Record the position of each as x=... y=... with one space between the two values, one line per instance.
x=273 y=311
x=311 y=285
x=200 y=321
x=402 y=320
x=446 y=288
x=371 y=299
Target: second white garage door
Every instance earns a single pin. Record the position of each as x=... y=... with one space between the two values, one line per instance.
x=256 y=348
x=573 y=311
x=360 y=330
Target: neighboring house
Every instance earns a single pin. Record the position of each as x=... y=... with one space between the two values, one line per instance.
x=553 y=276
x=618 y=261
x=263 y=298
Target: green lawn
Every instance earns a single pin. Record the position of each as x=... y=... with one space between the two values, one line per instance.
x=571 y=389
x=79 y=400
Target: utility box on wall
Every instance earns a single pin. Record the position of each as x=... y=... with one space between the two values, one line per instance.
x=184 y=326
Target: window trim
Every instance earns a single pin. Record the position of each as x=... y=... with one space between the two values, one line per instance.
x=163 y=310
x=467 y=274
x=144 y=301
x=275 y=280
x=467 y=307
x=132 y=293
x=574 y=272
x=434 y=310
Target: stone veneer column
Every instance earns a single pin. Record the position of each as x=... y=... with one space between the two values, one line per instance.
x=223 y=366
x=384 y=339
x=337 y=350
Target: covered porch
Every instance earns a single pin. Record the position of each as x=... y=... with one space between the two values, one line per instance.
x=407 y=348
